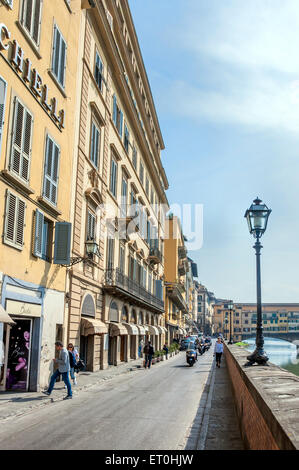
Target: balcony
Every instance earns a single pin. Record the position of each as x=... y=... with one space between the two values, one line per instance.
x=173 y=292
x=182 y=252
x=155 y=255
x=120 y=285
x=183 y=268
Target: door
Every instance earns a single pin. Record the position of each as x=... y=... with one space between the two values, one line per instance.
x=122 y=347
x=133 y=347
x=18 y=360
x=112 y=351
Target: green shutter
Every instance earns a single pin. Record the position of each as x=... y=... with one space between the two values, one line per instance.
x=62 y=246
x=51 y=171
x=38 y=233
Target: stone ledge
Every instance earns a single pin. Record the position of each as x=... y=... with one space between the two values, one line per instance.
x=275 y=392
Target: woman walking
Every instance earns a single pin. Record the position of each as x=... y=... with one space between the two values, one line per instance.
x=218 y=351
x=74 y=356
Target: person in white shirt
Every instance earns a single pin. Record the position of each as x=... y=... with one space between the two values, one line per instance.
x=218 y=351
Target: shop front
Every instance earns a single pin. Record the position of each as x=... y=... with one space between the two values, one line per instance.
x=21 y=345
x=118 y=343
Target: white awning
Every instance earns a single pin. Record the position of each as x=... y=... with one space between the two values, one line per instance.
x=91 y=326
x=164 y=329
x=181 y=332
x=153 y=330
x=4 y=317
x=131 y=328
x=141 y=330
x=117 y=329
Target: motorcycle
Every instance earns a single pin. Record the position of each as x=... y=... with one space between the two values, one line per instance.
x=191 y=357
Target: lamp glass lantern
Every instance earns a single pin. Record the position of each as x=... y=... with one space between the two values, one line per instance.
x=91 y=247
x=257 y=218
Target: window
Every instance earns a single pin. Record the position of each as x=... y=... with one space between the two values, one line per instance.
x=14 y=220
x=99 y=71
x=147 y=186
x=113 y=177
x=21 y=141
x=110 y=253
x=31 y=18
x=95 y=144
x=3 y=87
x=124 y=194
x=127 y=139
x=51 y=171
x=42 y=243
x=117 y=116
x=91 y=226
x=134 y=157
x=121 y=262
x=141 y=172
x=59 y=56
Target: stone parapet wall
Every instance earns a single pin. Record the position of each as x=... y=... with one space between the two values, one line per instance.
x=267 y=403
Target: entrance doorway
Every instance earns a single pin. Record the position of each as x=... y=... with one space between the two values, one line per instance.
x=112 y=351
x=19 y=351
x=133 y=347
x=123 y=341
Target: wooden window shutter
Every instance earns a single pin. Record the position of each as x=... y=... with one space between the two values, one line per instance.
x=27 y=14
x=62 y=245
x=62 y=67
x=15 y=219
x=10 y=222
x=114 y=110
x=21 y=141
x=37 y=21
x=51 y=171
x=91 y=225
x=38 y=233
x=3 y=87
x=121 y=118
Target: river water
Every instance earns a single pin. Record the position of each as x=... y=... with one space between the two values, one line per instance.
x=282 y=353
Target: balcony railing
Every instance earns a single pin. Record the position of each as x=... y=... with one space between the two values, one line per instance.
x=174 y=293
x=182 y=250
x=123 y=286
x=155 y=255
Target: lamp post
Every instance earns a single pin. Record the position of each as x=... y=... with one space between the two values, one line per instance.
x=257 y=217
x=230 y=306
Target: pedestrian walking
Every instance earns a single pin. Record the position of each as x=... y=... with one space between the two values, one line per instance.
x=218 y=351
x=73 y=356
x=140 y=348
x=63 y=368
x=148 y=355
x=165 y=348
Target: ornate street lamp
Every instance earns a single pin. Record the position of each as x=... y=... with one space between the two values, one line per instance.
x=257 y=218
x=91 y=250
x=230 y=306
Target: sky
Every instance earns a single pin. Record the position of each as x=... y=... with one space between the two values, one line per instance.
x=225 y=80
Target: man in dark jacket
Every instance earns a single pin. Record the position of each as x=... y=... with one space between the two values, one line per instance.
x=148 y=355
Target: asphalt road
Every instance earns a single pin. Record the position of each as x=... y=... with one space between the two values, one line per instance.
x=156 y=409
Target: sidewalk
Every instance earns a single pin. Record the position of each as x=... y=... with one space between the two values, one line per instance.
x=222 y=431
x=14 y=404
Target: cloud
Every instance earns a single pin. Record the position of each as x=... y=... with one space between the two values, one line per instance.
x=246 y=56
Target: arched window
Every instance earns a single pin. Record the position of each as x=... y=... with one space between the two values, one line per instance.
x=140 y=318
x=147 y=321
x=124 y=314
x=113 y=312
x=88 y=307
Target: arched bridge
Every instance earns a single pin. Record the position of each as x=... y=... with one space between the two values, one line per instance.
x=289 y=336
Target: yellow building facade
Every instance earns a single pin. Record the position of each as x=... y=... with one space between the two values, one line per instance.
x=177 y=294
x=38 y=70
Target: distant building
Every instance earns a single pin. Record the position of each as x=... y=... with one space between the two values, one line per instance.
x=277 y=319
